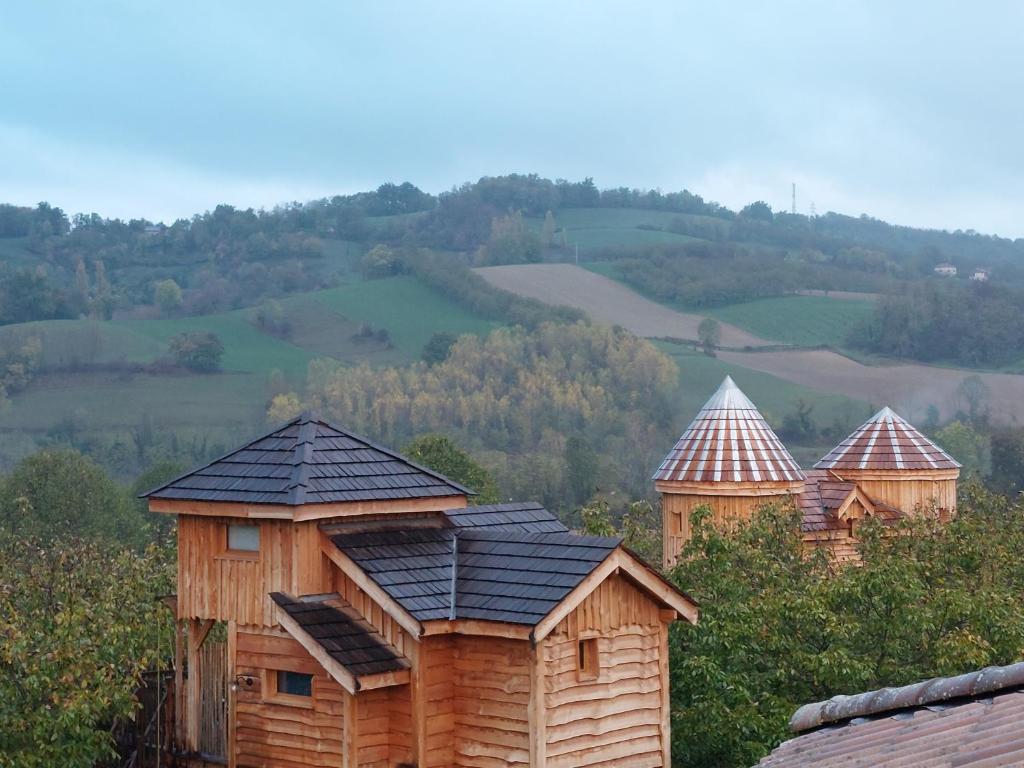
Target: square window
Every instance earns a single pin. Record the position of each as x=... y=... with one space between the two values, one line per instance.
x=243 y=538
x=587 y=661
x=294 y=683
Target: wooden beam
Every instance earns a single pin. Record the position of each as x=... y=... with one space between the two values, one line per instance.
x=306 y=511
x=477 y=627
x=198 y=631
x=537 y=709
x=383 y=679
x=745 y=489
x=406 y=620
x=179 y=684
x=350 y=732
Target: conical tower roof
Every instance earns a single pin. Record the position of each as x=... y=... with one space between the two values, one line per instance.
x=729 y=441
x=887 y=442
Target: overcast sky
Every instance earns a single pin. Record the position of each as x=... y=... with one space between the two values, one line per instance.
x=913 y=114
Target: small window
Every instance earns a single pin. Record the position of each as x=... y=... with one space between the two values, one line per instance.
x=243 y=538
x=587 y=658
x=294 y=684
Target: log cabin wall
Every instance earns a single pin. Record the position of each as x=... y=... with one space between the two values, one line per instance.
x=436 y=656
x=619 y=714
x=384 y=730
x=909 y=492
x=491 y=696
x=214 y=583
x=270 y=733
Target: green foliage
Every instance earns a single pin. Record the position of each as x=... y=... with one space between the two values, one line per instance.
x=759 y=211
x=159 y=525
x=779 y=629
x=441 y=454
x=639 y=528
x=79 y=623
x=511 y=242
x=381 y=261
x=198 y=351
x=709 y=333
x=60 y=492
x=1007 y=448
x=582 y=466
x=167 y=296
x=437 y=349
x=968 y=446
x=807 y=321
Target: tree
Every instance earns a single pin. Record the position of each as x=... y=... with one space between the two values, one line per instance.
x=284 y=407
x=1007 y=447
x=380 y=261
x=198 y=351
x=758 y=211
x=160 y=525
x=440 y=454
x=80 y=621
x=437 y=348
x=966 y=445
x=582 y=467
x=709 y=333
x=167 y=296
x=512 y=241
x=103 y=301
x=547 y=230
x=61 y=492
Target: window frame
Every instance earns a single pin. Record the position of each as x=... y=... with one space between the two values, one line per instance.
x=588 y=657
x=242 y=554
x=273 y=695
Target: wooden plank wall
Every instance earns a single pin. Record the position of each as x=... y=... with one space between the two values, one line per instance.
x=385 y=727
x=909 y=495
x=436 y=657
x=213 y=584
x=618 y=718
x=491 y=697
x=272 y=735
x=389 y=629
x=676 y=509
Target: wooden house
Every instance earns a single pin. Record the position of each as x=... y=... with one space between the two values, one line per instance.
x=730 y=460
x=363 y=615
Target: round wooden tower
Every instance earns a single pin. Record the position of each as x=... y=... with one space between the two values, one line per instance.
x=894 y=463
x=729 y=459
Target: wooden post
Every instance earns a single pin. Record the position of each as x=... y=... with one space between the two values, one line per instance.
x=350 y=743
x=417 y=692
x=536 y=708
x=666 y=710
x=198 y=630
x=179 y=683
x=232 y=691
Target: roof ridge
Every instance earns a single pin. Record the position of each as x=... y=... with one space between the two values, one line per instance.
x=303 y=457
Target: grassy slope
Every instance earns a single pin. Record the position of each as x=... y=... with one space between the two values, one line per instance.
x=806 y=321
x=593 y=228
x=229 y=405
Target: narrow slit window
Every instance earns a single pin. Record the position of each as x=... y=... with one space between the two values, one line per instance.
x=587 y=658
x=243 y=538
x=294 y=683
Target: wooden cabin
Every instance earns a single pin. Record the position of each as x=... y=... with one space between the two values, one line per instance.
x=339 y=605
x=730 y=460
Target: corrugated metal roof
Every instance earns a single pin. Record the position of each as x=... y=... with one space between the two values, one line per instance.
x=887 y=442
x=309 y=461
x=729 y=441
x=495 y=574
x=970 y=720
x=345 y=635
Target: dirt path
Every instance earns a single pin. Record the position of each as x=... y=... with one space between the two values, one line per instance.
x=607 y=301
x=909 y=388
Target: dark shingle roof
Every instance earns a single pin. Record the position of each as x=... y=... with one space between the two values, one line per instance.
x=308 y=461
x=342 y=633
x=824 y=494
x=524 y=516
x=969 y=720
x=495 y=574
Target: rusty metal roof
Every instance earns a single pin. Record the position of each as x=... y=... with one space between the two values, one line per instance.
x=729 y=441
x=308 y=461
x=969 y=720
x=887 y=442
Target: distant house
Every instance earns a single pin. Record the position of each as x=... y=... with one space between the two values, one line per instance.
x=730 y=460
x=980 y=275
x=971 y=721
x=945 y=269
x=370 y=619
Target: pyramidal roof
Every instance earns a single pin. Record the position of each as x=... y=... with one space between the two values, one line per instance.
x=308 y=461
x=729 y=441
x=887 y=441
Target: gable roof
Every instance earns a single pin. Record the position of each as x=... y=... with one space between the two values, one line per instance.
x=824 y=497
x=524 y=516
x=308 y=461
x=969 y=720
x=887 y=442
x=473 y=573
x=344 y=635
x=729 y=441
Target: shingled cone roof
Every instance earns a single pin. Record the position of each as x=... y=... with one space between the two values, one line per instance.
x=729 y=441
x=887 y=442
x=308 y=461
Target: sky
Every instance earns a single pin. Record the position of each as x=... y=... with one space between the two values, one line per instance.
x=912 y=112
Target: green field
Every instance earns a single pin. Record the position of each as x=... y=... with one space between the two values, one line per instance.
x=700 y=376
x=805 y=321
x=595 y=228
x=224 y=407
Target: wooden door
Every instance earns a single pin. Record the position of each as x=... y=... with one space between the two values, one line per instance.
x=213 y=698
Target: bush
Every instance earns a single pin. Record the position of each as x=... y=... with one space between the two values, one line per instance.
x=197 y=351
